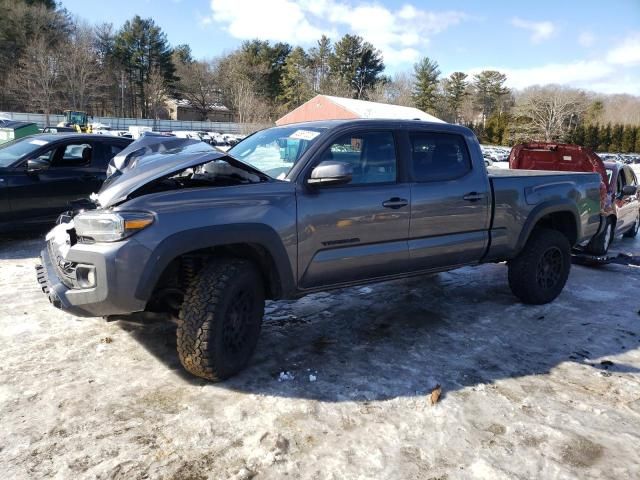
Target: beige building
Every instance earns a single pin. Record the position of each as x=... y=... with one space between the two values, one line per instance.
x=182 y=110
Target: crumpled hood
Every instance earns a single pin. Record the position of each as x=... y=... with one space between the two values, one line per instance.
x=151 y=167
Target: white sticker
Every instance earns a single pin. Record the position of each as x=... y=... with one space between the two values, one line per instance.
x=566 y=157
x=304 y=135
x=35 y=141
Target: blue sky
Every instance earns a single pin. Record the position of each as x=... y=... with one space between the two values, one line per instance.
x=591 y=44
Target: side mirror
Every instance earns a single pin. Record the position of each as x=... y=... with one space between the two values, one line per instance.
x=629 y=190
x=36 y=165
x=331 y=173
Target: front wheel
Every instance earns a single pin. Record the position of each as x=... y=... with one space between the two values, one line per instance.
x=220 y=319
x=538 y=274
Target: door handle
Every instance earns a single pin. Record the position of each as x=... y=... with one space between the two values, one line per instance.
x=474 y=197
x=395 y=203
x=88 y=178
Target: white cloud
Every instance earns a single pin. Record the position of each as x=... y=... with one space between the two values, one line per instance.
x=539 y=30
x=586 y=39
x=400 y=34
x=617 y=73
x=627 y=53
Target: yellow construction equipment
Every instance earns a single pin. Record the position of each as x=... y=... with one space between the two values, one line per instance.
x=77 y=120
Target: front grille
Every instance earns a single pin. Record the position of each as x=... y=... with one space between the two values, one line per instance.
x=65 y=271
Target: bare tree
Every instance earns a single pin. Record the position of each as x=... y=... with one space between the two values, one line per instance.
x=36 y=80
x=237 y=81
x=156 y=93
x=550 y=111
x=397 y=91
x=199 y=87
x=80 y=71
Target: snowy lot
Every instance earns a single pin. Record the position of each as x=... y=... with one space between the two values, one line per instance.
x=527 y=392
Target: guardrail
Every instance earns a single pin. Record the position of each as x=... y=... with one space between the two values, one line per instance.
x=117 y=123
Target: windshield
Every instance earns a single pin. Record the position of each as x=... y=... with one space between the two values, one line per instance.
x=276 y=150
x=13 y=151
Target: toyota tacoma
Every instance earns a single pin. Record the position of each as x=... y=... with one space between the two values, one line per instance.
x=295 y=209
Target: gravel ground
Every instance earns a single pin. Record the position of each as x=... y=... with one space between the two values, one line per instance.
x=527 y=392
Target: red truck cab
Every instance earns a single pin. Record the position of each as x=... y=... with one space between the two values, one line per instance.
x=619 y=199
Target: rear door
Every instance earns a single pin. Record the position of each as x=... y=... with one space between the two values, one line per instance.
x=450 y=201
x=358 y=230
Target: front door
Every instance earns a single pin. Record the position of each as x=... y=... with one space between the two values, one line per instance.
x=450 y=209
x=358 y=230
x=68 y=175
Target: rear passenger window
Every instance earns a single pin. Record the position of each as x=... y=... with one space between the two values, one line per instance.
x=371 y=155
x=438 y=157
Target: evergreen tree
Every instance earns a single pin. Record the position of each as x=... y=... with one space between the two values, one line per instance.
x=456 y=89
x=264 y=64
x=604 y=138
x=426 y=73
x=356 y=64
x=319 y=58
x=489 y=91
x=636 y=148
x=616 y=138
x=592 y=136
x=628 y=139
x=578 y=135
x=296 y=85
x=142 y=48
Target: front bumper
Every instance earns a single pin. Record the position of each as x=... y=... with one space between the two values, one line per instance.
x=118 y=267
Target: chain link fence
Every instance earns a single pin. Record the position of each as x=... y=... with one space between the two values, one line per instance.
x=116 y=123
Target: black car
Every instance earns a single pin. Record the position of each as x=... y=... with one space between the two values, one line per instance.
x=41 y=174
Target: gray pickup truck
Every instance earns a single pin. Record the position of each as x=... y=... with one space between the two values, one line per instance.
x=290 y=210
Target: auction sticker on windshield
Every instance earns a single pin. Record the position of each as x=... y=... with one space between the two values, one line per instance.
x=35 y=141
x=304 y=135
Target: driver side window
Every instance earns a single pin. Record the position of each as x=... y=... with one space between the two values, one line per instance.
x=372 y=156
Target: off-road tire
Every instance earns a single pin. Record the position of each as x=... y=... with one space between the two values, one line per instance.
x=220 y=319
x=538 y=274
x=599 y=245
x=631 y=233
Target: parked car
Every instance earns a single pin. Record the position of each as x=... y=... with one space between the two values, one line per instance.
x=40 y=174
x=214 y=234
x=619 y=199
x=59 y=130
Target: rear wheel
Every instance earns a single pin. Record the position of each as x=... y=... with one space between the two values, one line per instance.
x=631 y=233
x=599 y=245
x=220 y=319
x=539 y=273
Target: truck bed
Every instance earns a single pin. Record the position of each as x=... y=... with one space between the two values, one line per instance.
x=525 y=194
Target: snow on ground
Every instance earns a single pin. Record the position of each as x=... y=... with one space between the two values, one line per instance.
x=340 y=385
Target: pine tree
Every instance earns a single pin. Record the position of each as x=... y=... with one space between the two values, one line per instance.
x=142 y=48
x=426 y=74
x=489 y=91
x=616 y=138
x=628 y=139
x=296 y=87
x=578 y=135
x=319 y=57
x=456 y=89
x=636 y=148
x=604 y=139
x=356 y=64
x=592 y=136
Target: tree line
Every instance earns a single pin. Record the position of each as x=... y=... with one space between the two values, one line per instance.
x=50 y=61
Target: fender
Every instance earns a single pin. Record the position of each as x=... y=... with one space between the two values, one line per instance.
x=540 y=211
x=214 y=236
